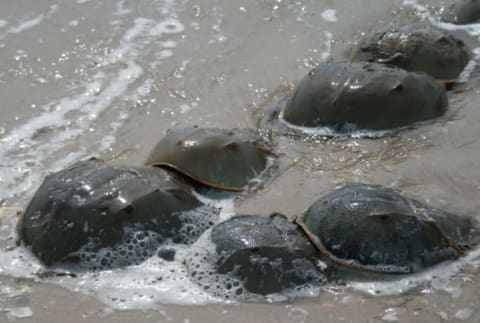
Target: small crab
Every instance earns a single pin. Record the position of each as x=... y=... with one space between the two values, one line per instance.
x=462 y=12
x=415 y=48
x=363 y=96
x=264 y=254
x=223 y=159
x=373 y=229
x=93 y=205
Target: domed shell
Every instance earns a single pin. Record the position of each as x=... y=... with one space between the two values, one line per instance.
x=223 y=159
x=374 y=229
x=415 y=48
x=462 y=12
x=364 y=96
x=91 y=203
x=267 y=254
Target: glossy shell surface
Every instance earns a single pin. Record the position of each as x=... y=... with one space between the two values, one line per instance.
x=364 y=96
x=416 y=48
x=268 y=254
x=223 y=159
x=96 y=204
x=462 y=12
x=374 y=229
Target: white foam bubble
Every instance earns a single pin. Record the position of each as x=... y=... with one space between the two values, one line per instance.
x=143 y=286
x=349 y=130
x=148 y=277
x=464 y=314
x=19 y=262
x=219 y=36
x=145 y=89
x=438 y=277
x=169 y=26
x=329 y=15
x=73 y=23
x=200 y=261
x=328 y=46
x=159 y=280
x=138 y=245
x=472 y=64
x=3 y=23
x=225 y=205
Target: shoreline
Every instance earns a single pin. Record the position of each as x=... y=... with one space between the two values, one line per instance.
x=127 y=80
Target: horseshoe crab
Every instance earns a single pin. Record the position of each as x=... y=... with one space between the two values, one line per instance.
x=369 y=228
x=415 y=48
x=253 y=254
x=90 y=206
x=462 y=12
x=371 y=96
x=222 y=159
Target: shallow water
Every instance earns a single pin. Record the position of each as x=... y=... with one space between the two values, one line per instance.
x=107 y=78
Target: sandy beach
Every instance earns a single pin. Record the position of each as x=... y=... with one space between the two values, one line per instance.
x=107 y=78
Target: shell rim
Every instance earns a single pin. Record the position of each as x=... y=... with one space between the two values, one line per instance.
x=196 y=178
x=317 y=243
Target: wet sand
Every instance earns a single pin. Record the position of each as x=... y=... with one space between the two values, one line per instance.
x=115 y=75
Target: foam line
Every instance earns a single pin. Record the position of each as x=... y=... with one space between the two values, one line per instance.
x=20 y=145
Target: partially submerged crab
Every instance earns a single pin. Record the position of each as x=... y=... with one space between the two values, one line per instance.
x=369 y=228
x=256 y=255
x=346 y=96
x=90 y=206
x=222 y=159
x=462 y=12
x=417 y=48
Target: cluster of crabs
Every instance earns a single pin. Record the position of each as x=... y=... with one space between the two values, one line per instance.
x=112 y=216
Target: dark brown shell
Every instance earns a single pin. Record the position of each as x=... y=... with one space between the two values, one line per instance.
x=364 y=96
x=223 y=159
x=267 y=254
x=462 y=12
x=415 y=48
x=97 y=204
x=374 y=229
